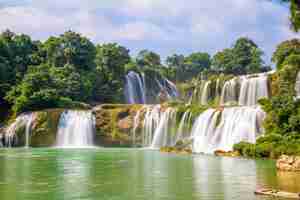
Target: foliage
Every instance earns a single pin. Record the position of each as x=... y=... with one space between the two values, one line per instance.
x=270 y=146
x=148 y=58
x=287 y=50
x=111 y=60
x=294 y=14
x=244 y=57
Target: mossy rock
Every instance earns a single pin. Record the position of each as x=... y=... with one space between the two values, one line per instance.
x=45 y=128
x=114 y=124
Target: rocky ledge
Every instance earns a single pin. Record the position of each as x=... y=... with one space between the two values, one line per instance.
x=288 y=163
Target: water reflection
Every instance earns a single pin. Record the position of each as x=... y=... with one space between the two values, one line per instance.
x=122 y=174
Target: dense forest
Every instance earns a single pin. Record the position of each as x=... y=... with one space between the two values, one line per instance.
x=67 y=70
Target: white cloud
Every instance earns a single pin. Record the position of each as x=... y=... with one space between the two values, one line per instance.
x=162 y=24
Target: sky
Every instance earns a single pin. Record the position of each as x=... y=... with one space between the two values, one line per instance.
x=163 y=26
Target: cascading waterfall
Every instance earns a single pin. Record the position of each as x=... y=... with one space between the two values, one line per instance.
x=253 y=89
x=183 y=129
x=135 y=90
x=151 y=121
x=23 y=121
x=164 y=134
x=76 y=129
x=220 y=130
x=205 y=93
x=297 y=85
x=245 y=90
x=229 y=91
x=168 y=88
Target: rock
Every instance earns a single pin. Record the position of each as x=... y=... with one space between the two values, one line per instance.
x=125 y=124
x=227 y=153
x=114 y=124
x=176 y=150
x=288 y=163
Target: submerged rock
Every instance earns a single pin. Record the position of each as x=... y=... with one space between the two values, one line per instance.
x=227 y=153
x=288 y=163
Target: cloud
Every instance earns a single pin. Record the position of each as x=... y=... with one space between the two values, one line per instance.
x=160 y=25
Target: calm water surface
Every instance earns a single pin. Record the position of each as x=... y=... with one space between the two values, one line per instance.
x=131 y=174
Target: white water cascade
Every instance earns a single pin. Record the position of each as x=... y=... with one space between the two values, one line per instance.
x=245 y=90
x=220 y=130
x=135 y=90
x=183 y=131
x=253 y=89
x=151 y=121
x=164 y=134
x=23 y=121
x=75 y=129
x=205 y=93
x=229 y=91
x=297 y=86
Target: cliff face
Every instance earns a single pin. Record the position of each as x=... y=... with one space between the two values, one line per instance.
x=115 y=123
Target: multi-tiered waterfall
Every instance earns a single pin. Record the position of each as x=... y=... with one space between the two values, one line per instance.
x=75 y=129
x=214 y=129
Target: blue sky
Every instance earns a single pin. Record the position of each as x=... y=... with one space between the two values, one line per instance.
x=164 y=26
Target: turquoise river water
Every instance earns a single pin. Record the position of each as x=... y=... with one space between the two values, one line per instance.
x=133 y=174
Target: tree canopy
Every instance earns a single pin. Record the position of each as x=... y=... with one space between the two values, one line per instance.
x=244 y=57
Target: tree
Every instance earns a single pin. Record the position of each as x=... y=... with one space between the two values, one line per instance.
x=148 y=58
x=244 y=57
x=70 y=48
x=111 y=60
x=198 y=61
x=295 y=14
x=17 y=53
x=223 y=61
x=284 y=50
x=45 y=86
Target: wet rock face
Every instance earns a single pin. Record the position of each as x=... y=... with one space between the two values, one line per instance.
x=114 y=124
x=288 y=163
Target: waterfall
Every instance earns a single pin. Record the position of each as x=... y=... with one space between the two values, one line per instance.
x=229 y=91
x=167 y=88
x=245 y=90
x=183 y=129
x=135 y=90
x=205 y=93
x=151 y=121
x=75 y=129
x=220 y=130
x=297 y=85
x=23 y=121
x=171 y=87
x=253 y=89
x=164 y=135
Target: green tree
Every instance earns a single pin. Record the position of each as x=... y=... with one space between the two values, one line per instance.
x=70 y=48
x=223 y=61
x=45 y=86
x=244 y=57
x=148 y=58
x=284 y=50
x=295 y=14
x=111 y=60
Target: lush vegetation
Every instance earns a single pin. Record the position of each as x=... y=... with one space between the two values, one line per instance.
x=282 y=123
x=67 y=70
x=294 y=14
